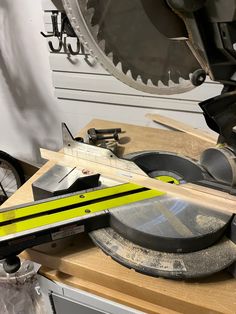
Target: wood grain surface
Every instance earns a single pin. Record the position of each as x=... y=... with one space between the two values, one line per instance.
x=186 y=128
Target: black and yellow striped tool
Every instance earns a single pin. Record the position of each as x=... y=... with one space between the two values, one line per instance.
x=39 y=222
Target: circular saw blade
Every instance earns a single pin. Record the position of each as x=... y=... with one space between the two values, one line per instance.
x=124 y=38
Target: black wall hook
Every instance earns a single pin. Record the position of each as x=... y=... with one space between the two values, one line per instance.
x=71 y=51
x=53 y=49
x=66 y=29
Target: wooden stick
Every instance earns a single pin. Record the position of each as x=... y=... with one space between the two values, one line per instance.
x=182 y=127
x=211 y=200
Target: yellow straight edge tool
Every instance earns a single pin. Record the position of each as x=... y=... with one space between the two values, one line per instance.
x=63 y=202
x=62 y=216
x=19 y=231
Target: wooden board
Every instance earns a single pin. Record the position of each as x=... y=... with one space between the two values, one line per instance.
x=112 y=171
x=84 y=266
x=186 y=128
x=134 y=139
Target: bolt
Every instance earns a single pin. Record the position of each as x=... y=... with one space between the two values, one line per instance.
x=198 y=77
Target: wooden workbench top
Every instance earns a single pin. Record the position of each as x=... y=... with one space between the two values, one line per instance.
x=84 y=266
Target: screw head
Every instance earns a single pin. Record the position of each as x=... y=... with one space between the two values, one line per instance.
x=198 y=77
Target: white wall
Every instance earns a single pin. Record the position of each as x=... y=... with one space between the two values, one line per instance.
x=29 y=116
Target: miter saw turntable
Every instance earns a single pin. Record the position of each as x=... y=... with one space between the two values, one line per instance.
x=163 y=47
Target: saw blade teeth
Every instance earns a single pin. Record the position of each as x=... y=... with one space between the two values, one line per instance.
x=160 y=84
x=139 y=79
x=181 y=80
x=149 y=83
x=110 y=55
x=89 y=4
x=190 y=77
x=90 y=14
x=134 y=75
x=171 y=83
x=93 y=37
x=119 y=66
x=155 y=83
x=124 y=69
x=129 y=73
x=95 y=29
x=102 y=44
x=144 y=80
x=90 y=10
x=185 y=82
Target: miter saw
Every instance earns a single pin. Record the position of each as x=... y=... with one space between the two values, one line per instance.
x=169 y=47
x=163 y=47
